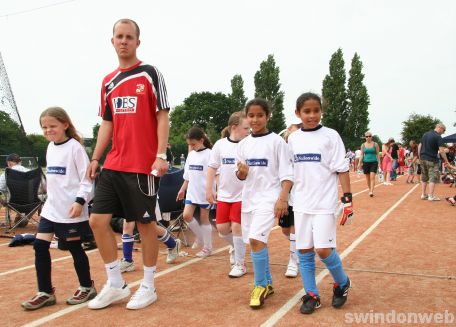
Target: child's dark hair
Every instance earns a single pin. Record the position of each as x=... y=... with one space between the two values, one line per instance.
x=61 y=115
x=235 y=120
x=307 y=96
x=196 y=133
x=259 y=102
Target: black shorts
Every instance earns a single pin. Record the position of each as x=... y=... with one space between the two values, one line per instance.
x=370 y=167
x=64 y=231
x=134 y=195
x=287 y=220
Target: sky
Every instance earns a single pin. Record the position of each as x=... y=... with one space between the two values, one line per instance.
x=58 y=54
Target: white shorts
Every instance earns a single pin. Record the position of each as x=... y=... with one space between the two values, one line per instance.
x=257 y=225
x=315 y=231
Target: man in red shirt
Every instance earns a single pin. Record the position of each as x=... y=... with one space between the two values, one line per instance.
x=134 y=108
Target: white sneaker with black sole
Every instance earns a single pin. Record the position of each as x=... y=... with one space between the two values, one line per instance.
x=238 y=270
x=109 y=295
x=143 y=297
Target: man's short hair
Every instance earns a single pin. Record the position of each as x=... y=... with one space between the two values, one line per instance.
x=127 y=21
x=440 y=125
x=14 y=158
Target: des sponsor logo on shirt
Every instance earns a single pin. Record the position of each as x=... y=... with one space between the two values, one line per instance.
x=124 y=105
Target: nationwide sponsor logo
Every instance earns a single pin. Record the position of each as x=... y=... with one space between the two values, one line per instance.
x=228 y=161
x=139 y=88
x=124 y=105
x=56 y=170
x=307 y=157
x=257 y=162
x=195 y=167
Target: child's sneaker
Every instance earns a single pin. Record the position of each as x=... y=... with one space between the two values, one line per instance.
x=424 y=196
x=82 y=294
x=269 y=290
x=310 y=302
x=238 y=270
x=204 y=253
x=174 y=252
x=143 y=297
x=433 y=198
x=257 y=297
x=109 y=295
x=231 y=252
x=126 y=266
x=41 y=299
x=292 y=269
x=340 y=294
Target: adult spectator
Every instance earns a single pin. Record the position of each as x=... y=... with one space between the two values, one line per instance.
x=429 y=148
x=13 y=161
x=134 y=108
x=395 y=158
x=370 y=158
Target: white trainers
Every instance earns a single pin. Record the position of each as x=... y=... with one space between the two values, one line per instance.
x=143 y=297
x=174 y=252
x=237 y=270
x=292 y=269
x=196 y=244
x=204 y=253
x=433 y=198
x=424 y=196
x=231 y=252
x=109 y=295
x=126 y=266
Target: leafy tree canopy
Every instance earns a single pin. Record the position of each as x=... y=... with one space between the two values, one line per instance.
x=415 y=126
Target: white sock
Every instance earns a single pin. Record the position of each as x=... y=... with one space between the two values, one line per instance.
x=196 y=229
x=114 y=275
x=293 y=255
x=239 y=249
x=207 y=236
x=149 y=273
x=228 y=238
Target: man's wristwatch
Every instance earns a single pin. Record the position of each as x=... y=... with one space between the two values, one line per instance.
x=161 y=156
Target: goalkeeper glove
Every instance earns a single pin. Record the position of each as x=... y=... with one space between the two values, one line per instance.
x=347 y=214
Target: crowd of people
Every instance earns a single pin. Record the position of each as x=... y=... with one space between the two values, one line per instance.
x=251 y=175
x=426 y=163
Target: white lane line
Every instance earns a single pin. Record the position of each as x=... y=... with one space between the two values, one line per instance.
x=70 y=309
x=273 y=319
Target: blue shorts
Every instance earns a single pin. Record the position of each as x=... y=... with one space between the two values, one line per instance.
x=64 y=231
x=202 y=206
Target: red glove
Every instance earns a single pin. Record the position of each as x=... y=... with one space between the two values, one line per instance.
x=347 y=214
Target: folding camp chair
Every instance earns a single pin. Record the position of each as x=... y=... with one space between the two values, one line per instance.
x=22 y=196
x=170 y=184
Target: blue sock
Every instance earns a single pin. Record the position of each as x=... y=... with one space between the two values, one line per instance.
x=259 y=260
x=268 y=271
x=169 y=241
x=307 y=270
x=127 y=247
x=334 y=265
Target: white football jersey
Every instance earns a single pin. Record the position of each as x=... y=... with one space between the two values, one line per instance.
x=318 y=155
x=268 y=158
x=223 y=159
x=66 y=180
x=195 y=172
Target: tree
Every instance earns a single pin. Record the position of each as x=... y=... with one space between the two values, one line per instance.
x=12 y=138
x=95 y=130
x=39 y=146
x=267 y=86
x=358 y=104
x=415 y=126
x=237 y=95
x=335 y=106
x=210 y=111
